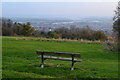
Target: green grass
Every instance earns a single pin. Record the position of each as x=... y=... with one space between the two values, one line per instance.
x=20 y=60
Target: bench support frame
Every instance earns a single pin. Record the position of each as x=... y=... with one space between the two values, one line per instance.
x=42 y=60
x=72 y=68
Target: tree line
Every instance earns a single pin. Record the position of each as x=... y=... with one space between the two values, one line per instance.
x=10 y=28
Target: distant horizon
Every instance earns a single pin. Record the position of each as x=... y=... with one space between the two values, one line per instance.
x=58 y=18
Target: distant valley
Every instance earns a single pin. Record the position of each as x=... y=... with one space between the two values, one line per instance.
x=96 y=23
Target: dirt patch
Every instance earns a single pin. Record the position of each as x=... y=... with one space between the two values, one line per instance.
x=21 y=39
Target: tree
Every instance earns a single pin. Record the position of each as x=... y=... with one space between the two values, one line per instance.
x=98 y=35
x=116 y=27
x=23 y=29
x=116 y=31
x=7 y=26
x=64 y=32
x=27 y=30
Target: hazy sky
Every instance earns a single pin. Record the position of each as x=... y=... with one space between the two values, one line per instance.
x=58 y=9
x=59 y=0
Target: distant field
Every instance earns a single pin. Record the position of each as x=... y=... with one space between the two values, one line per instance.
x=20 y=60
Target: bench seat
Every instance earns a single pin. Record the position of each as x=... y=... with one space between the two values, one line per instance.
x=59 y=58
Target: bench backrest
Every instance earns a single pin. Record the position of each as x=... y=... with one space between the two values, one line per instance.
x=58 y=53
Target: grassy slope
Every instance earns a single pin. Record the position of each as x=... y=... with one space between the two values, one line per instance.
x=20 y=60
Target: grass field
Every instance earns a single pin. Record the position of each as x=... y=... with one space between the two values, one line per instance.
x=20 y=60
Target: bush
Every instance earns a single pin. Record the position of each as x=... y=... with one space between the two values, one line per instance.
x=111 y=46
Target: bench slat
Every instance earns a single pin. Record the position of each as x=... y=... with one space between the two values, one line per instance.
x=58 y=53
x=59 y=58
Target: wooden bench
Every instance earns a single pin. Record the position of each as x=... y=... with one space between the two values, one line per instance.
x=50 y=55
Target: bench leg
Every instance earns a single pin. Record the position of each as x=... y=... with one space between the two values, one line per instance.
x=72 y=68
x=42 y=61
x=42 y=65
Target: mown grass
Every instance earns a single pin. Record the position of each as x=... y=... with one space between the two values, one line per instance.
x=20 y=60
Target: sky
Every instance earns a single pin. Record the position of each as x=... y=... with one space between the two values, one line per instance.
x=59 y=0
x=58 y=9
